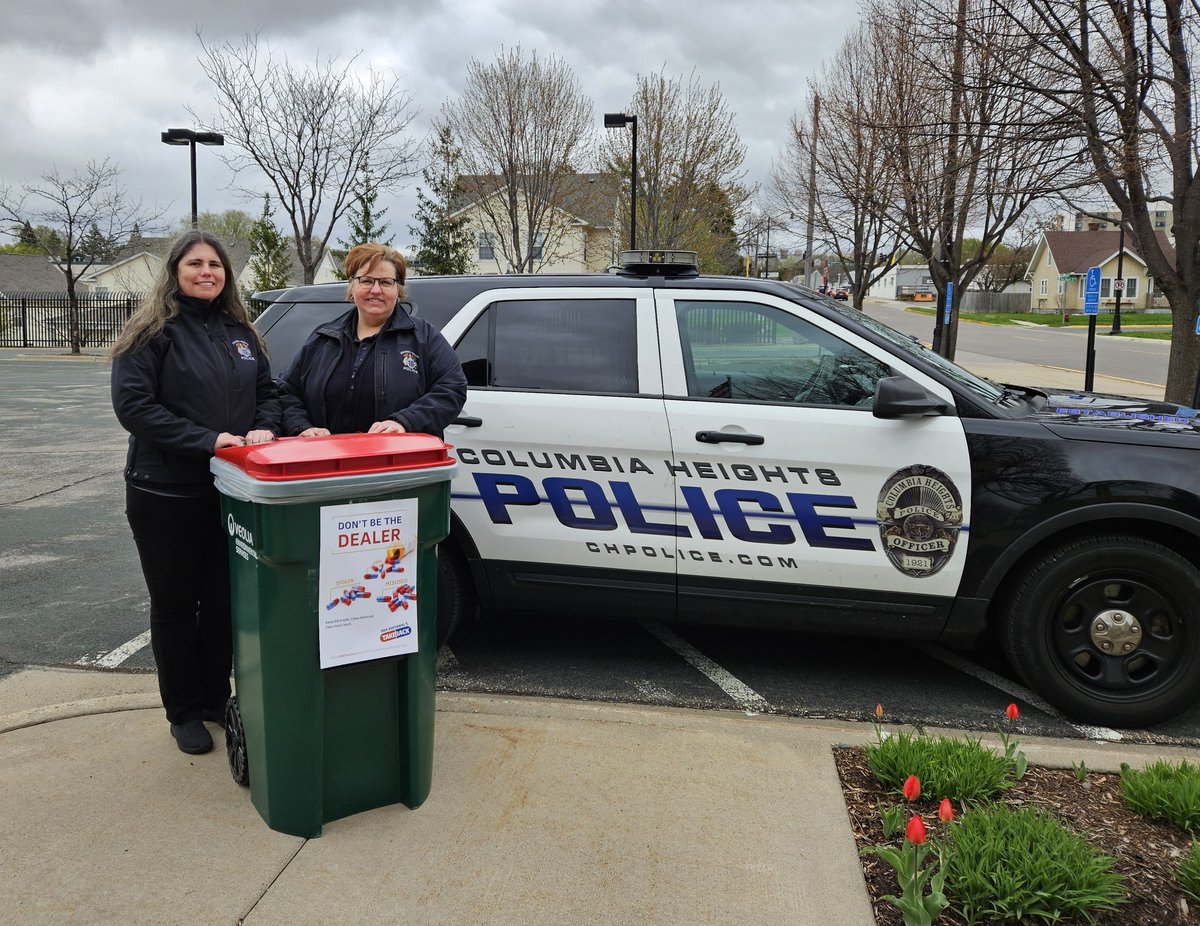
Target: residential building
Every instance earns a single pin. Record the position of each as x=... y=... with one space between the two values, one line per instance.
x=579 y=235
x=1162 y=217
x=29 y=273
x=1060 y=262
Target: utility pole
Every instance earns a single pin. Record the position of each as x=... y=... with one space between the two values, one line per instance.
x=812 y=192
x=1119 y=282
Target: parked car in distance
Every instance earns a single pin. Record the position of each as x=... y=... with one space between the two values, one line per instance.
x=744 y=452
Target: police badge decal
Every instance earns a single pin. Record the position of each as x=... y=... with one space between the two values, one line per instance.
x=920 y=517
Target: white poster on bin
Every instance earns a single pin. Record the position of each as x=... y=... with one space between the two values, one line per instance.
x=368 y=581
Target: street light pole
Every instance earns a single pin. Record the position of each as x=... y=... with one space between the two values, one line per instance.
x=190 y=138
x=617 y=121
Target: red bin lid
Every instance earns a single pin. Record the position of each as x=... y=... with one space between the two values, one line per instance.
x=337 y=455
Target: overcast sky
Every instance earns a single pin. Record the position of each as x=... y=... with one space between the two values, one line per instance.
x=102 y=78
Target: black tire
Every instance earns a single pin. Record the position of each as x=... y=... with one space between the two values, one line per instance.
x=455 y=594
x=235 y=743
x=1105 y=629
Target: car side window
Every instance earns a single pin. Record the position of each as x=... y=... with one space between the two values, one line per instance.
x=756 y=353
x=556 y=345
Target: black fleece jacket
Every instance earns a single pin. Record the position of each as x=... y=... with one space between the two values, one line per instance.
x=419 y=381
x=202 y=375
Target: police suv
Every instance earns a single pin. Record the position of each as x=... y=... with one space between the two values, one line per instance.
x=652 y=442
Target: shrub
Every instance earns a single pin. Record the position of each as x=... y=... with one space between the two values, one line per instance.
x=1164 y=792
x=1188 y=873
x=1004 y=864
x=962 y=770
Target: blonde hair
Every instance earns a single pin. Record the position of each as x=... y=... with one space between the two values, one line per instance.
x=364 y=256
x=162 y=302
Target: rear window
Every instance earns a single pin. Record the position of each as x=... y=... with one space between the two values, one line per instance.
x=285 y=328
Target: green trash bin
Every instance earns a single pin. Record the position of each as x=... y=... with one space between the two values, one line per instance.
x=333 y=564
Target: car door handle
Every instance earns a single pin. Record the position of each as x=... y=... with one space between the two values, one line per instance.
x=468 y=421
x=727 y=437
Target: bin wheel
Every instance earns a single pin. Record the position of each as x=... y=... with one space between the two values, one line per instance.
x=235 y=743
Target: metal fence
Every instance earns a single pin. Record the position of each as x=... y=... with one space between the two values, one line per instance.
x=43 y=319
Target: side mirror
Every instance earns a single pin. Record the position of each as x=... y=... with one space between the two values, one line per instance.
x=900 y=397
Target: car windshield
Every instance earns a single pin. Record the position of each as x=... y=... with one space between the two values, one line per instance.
x=984 y=388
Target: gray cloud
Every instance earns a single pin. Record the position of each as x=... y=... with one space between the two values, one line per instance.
x=101 y=78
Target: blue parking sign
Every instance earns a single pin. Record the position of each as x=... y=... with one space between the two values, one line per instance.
x=1091 y=292
x=949 y=301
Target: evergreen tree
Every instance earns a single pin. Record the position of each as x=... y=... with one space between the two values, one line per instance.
x=270 y=264
x=366 y=222
x=446 y=243
x=96 y=245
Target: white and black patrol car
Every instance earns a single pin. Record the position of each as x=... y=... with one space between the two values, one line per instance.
x=746 y=452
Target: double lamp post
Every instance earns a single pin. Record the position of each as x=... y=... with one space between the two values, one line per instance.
x=191 y=139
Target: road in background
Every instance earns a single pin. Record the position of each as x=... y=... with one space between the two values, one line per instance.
x=1138 y=359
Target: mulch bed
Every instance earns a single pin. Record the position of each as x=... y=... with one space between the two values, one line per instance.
x=1147 y=852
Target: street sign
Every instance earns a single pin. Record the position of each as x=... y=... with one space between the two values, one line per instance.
x=1118 y=284
x=1198 y=330
x=1091 y=292
x=949 y=301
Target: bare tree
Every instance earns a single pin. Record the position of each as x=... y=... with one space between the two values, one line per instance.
x=61 y=212
x=523 y=124
x=855 y=176
x=690 y=193
x=309 y=131
x=1118 y=74
x=968 y=154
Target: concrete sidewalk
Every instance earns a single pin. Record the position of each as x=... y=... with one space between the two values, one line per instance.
x=543 y=811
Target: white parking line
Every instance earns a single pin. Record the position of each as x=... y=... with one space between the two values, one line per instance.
x=941 y=654
x=114 y=658
x=743 y=695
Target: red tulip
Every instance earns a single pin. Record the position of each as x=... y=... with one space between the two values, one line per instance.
x=879 y=712
x=946 y=810
x=912 y=788
x=1012 y=713
x=916 y=830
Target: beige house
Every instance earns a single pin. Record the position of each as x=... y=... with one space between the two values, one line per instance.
x=577 y=235
x=1060 y=262
x=133 y=274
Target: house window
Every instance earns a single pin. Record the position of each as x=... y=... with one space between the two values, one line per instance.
x=539 y=242
x=487 y=250
x=1045 y=288
x=1106 y=290
x=1082 y=287
x=1131 y=287
x=1061 y=286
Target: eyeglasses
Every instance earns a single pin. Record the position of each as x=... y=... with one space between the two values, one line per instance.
x=387 y=284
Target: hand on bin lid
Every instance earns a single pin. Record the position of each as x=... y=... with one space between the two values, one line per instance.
x=338 y=455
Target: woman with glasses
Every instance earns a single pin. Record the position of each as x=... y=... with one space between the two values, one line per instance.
x=375 y=369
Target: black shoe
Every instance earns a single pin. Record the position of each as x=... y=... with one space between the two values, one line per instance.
x=192 y=737
x=213 y=715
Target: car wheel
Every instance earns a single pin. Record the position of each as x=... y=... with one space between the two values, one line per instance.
x=1103 y=628
x=456 y=597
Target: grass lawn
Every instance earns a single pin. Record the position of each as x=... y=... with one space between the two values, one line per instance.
x=1161 y=321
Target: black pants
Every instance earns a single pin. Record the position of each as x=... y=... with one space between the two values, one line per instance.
x=182 y=547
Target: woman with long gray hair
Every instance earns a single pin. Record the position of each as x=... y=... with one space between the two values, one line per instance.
x=189 y=377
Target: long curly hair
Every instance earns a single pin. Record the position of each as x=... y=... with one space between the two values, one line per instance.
x=162 y=302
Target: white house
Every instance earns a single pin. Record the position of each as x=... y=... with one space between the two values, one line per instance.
x=577 y=235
